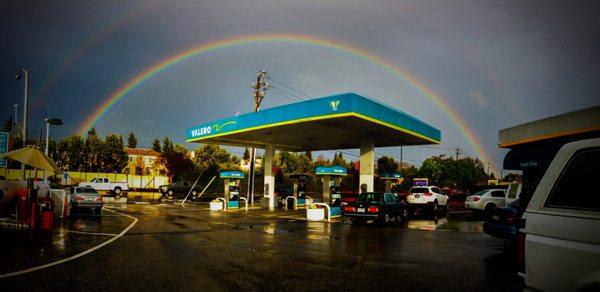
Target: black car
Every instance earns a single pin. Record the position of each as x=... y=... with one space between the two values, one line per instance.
x=180 y=189
x=379 y=207
x=502 y=222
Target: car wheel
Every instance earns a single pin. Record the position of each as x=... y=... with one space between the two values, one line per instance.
x=194 y=198
x=117 y=191
x=170 y=193
x=434 y=207
x=404 y=215
x=386 y=219
x=194 y=193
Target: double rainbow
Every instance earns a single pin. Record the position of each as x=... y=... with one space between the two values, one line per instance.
x=184 y=55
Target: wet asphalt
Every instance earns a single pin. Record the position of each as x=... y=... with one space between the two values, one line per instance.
x=191 y=248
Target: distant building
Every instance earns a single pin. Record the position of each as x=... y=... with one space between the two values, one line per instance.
x=143 y=161
x=245 y=164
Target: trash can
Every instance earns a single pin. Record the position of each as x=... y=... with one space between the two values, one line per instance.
x=316 y=214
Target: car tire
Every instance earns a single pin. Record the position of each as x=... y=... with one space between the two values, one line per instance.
x=386 y=219
x=117 y=190
x=170 y=193
x=434 y=207
x=447 y=205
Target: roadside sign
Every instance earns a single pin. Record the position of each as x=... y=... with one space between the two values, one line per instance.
x=3 y=147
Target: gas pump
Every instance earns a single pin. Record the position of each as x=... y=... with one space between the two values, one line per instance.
x=331 y=177
x=299 y=181
x=231 y=185
x=391 y=180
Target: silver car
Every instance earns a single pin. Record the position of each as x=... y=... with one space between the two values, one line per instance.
x=85 y=198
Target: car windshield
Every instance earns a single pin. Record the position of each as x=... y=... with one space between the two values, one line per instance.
x=419 y=190
x=86 y=190
x=370 y=197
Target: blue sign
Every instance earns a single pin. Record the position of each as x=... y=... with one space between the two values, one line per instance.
x=331 y=170
x=3 y=147
x=394 y=175
x=231 y=174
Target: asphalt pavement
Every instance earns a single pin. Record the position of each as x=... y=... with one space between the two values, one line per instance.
x=192 y=248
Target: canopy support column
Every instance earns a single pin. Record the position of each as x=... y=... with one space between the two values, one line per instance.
x=326 y=191
x=367 y=164
x=269 y=186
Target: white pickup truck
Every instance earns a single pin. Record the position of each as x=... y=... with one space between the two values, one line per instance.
x=104 y=184
x=559 y=244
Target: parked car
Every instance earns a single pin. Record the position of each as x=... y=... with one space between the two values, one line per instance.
x=104 y=184
x=348 y=198
x=503 y=222
x=430 y=197
x=379 y=207
x=486 y=200
x=559 y=245
x=85 y=198
x=180 y=189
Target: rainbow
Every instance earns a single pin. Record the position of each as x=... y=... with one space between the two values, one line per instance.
x=94 y=38
x=184 y=55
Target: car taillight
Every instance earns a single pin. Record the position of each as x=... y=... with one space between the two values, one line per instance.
x=99 y=199
x=427 y=194
x=475 y=199
x=520 y=251
x=349 y=209
x=79 y=198
x=373 y=209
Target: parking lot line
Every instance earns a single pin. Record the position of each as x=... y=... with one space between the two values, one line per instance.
x=92 y=233
x=62 y=261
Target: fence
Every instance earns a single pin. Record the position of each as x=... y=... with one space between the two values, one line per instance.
x=75 y=177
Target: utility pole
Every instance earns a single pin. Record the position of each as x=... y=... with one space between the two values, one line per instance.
x=401 y=158
x=260 y=86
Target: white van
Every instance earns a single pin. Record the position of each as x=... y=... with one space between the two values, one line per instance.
x=559 y=244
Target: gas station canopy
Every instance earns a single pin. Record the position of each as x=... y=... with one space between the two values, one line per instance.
x=327 y=123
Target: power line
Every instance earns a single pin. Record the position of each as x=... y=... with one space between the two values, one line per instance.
x=291 y=88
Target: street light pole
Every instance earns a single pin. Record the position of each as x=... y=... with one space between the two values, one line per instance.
x=24 y=74
x=260 y=86
x=49 y=122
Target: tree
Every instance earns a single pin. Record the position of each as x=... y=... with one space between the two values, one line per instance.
x=114 y=158
x=386 y=164
x=308 y=155
x=70 y=154
x=167 y=145
x=176 y=164
x=156 y=145
x=246 y=154
x=131 y=140
x=93 y=151
x=8 y=125
x=462 y=174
